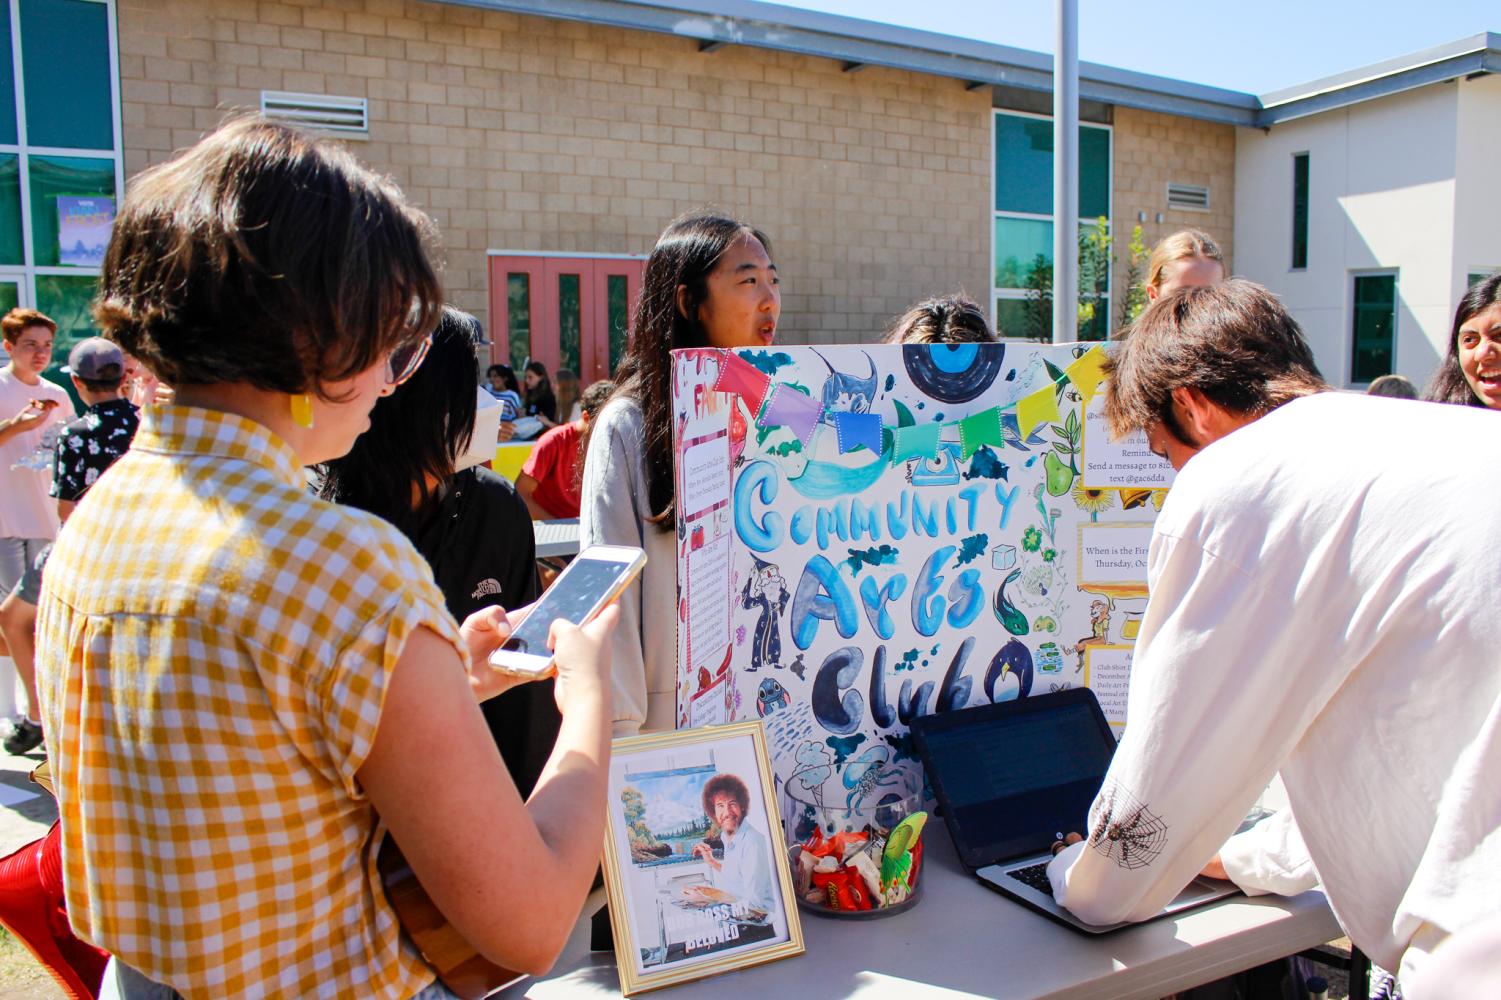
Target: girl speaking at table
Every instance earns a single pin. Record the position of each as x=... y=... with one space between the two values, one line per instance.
x=709 y=282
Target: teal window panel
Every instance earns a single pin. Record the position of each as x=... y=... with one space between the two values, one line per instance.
x=1024 y=167
x=1300 y=211
x=618 y=312
x=1023 y=250
x=1374 y=336
x=68 y=300
x=1476 y=277
x=519 y=319
x=52 y=176
x=8 y=132
x=65 y=69
x=12 y=248
x=569 y=321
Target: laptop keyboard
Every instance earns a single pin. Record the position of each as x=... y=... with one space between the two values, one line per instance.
x=1035 y=876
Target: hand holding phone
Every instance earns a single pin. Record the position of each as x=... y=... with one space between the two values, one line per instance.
x=587 y=586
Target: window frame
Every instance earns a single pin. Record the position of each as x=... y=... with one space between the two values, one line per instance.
x=998 y=293
x=28 y=270
x=1307 y=159
x=1355 y=276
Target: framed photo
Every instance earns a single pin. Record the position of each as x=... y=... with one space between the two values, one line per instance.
x=695 y=867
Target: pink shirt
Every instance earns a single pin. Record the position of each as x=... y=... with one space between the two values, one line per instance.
x=28 y=512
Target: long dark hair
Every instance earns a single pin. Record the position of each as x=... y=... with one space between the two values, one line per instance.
x=417 y=431
x=1449 y=384
x=686 y=252
x=544 y=386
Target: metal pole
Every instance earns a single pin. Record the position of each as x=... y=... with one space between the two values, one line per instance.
x=1066 y=173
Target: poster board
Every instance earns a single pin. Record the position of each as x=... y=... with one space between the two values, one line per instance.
x=895 y=530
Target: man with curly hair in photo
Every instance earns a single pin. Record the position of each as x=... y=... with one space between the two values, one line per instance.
x=746 y=868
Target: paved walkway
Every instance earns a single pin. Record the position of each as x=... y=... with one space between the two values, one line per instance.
x=24 y=821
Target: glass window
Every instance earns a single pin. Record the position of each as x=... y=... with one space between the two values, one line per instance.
x=1032 y=318
x=1024 y=167
x=63 y=176
x=519 y=318
x=68 y=300
x=10 y=295
x=65 y=56
x=8 y=132
x=1300 y=211
x=568 y=321
x=1023 y=249
x=618 y=316
x=1375 y=327
x=12 y=248
x=1476 y=277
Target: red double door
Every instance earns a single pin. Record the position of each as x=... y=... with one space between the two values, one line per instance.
x=566 y=312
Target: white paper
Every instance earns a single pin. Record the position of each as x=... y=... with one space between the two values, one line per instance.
x=1107 y=672
x=706 y=476
x=707 y=707
x=1128 y=462
x=709 y=603
x=1113 y=554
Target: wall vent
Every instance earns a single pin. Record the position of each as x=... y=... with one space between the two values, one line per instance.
x=1193 y=197
x=343 y=115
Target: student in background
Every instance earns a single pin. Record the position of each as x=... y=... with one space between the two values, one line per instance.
x=549 y=481
x=538 y=398
x=947 y=319
x=416 y=468
x=503 y=386
x=1394 y=386
x=302 y=673
x=1188 y=258
x=1471 y=370
x=709 y=282
x=566 y=381
x=86 y=447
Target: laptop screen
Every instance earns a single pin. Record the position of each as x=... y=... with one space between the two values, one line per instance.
x=1014 y=780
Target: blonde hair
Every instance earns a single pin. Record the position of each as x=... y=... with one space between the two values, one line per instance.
x=1182 y=245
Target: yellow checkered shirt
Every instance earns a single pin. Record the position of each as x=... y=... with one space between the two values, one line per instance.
x=213 y=648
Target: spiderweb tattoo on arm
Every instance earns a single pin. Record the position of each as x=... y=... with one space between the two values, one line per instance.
x=1125 y=830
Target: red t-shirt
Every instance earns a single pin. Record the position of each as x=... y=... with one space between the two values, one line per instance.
x=551 y=464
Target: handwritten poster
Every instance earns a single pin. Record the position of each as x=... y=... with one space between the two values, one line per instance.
x=709 y=602
x=909 y=532
x=706 y=475
x=1107 y=671
x=1128 y=462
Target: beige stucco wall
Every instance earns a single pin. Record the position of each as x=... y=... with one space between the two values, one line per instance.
x=529 y=134
x=1152 y=149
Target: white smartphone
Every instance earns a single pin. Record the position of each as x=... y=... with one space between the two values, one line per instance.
x=583 y=590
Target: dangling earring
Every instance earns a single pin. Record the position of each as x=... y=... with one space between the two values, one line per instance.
x=302 y=409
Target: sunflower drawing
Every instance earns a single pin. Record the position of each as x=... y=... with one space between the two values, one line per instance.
x=1093 y=502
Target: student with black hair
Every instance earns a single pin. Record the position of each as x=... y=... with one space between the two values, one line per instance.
x=466 y=521
x=709 y=282
x=1471 y=371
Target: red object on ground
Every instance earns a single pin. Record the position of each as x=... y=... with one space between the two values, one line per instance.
x=32 y=908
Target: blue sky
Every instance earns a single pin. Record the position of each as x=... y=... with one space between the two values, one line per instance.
x=1253 y=47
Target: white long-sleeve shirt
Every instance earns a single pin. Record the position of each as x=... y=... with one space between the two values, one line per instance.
x=613 y=508
x=1323 y=588
x=746 y=869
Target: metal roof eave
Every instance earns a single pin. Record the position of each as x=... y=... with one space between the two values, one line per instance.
x=857 y=42
x=1479 y=54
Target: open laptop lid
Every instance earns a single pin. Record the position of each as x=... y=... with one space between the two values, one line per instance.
x=1012 y=778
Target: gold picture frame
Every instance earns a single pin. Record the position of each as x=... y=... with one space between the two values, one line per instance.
x=680 y=909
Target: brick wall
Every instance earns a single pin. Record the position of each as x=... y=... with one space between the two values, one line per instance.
x=1151 y=150
x=529 y=134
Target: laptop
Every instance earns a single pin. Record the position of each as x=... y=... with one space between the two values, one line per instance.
x=1013 y=778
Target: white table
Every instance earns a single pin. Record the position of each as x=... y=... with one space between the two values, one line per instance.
x=556 y=538
x=964 y=940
